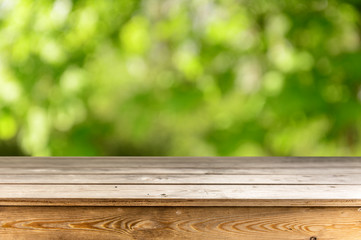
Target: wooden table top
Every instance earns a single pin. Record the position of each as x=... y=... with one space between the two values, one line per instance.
x=180 y=181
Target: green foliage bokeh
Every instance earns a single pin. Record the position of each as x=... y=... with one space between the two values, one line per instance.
x=178 y=77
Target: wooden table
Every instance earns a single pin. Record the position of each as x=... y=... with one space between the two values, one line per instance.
x=180 y=198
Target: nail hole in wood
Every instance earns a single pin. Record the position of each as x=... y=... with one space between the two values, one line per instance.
x=313 y=238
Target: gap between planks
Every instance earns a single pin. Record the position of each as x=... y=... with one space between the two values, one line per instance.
x=254 y=203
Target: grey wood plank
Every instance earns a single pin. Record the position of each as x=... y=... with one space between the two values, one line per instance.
x=179 y=171
x=182 y=191
x=167 y=162
x=351 y=179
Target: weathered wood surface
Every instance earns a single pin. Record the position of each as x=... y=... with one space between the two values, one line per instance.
x=177 y=171
x=180 y=198
x=207 y=162
x=184 y=223
x=169 y=179
x=197 y=181
x=183 y=191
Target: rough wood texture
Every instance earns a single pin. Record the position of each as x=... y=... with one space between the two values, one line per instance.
x=48 y=179
x=213 y=223
x=180 y=198
x=222 y=180
x=224 y=192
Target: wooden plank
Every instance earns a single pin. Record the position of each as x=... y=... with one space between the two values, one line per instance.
x=183 y=223
x=177 y=162
x=351 y=179
x=183 y=191
x=180 y=171
x=155 y=202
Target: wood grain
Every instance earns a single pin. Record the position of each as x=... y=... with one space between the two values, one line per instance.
x=179 y=223
x=48 y=179
x=179 y=178
x=100 y=170
x=180 y=198
x=181 y=162
x=183 y=191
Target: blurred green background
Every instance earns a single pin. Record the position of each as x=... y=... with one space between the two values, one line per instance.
x=180 y=77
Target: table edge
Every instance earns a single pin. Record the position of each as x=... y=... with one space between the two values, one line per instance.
x=96 y=202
